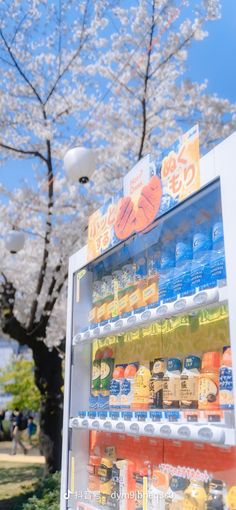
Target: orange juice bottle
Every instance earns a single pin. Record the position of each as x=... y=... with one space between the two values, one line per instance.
x=127 y=387
x=208 y=396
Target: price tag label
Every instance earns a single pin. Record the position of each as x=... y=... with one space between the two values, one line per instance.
x=192 y=418
x=114 y=415
x=102 y=415
x=141 y=415
x=156 y=416
x=92 y=414
x=127 y=415
x=82 y=414
x=172 y=416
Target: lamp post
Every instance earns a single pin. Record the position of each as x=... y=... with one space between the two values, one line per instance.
x=79 y=164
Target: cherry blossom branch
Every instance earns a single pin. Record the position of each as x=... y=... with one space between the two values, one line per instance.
x=18 y=67
x=73 y=58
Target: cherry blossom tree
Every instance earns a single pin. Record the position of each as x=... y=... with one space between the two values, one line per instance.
x=94 y=74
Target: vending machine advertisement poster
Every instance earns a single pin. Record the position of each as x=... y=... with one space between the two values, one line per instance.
x=149 y=189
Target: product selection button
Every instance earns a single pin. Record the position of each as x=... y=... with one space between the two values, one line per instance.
x=165 y=430
x=134 y=428
x=205 y=434
x=120 y=426
x=107 y=425
x=84 y=424
x=184 y=432
x=149 y=429
x=96 y=424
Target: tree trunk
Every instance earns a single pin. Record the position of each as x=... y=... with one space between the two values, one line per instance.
x=49 y=380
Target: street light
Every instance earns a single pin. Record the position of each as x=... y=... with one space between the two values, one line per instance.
x=79 y=164
x=14 y=241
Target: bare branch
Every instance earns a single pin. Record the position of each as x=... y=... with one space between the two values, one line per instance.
x=23 y=151
x=146 y=78
x=43 y=268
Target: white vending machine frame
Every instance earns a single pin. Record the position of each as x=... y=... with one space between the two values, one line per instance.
x=219 y=163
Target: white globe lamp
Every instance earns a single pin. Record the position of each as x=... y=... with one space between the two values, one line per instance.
x=14 y=241
x=79 y=164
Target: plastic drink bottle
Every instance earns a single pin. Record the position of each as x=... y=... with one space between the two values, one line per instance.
x=95 y=383
x=208 y=396
x=127 y=386
x=105 y=476
x=189 y=381
x=157 y=384
x=141 y=387
x=158 y=490
x=182 y=272
x=107 y=366
x=177 y=486
x=140 y=281
x=218 y=271
x=231 y=498
x=195 y=496
x=93 y=478
x=167 y=263
x=201 y=269
x=215 y=499
x=226 y=380
x=171 y=389
x=115 y=386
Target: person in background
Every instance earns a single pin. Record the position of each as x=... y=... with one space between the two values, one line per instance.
x=31 y=428
x=16 y=427
x=2 y=416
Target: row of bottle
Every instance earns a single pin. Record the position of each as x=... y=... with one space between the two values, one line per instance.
x=120 y=484
x=163 y=384
x=194 y=263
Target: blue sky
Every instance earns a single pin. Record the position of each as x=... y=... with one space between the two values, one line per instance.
x=212 y=59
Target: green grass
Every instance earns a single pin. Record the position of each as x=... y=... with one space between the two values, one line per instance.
x=17 y=484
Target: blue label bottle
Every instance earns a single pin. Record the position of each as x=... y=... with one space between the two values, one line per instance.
x=201 y=267
x=218 y=271
x=182 y=272
x=167 y=264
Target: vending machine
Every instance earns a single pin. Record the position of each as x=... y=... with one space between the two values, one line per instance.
x=149 y=412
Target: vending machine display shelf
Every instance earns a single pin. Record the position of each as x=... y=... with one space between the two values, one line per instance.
x=214 y=427
x=149 y=315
